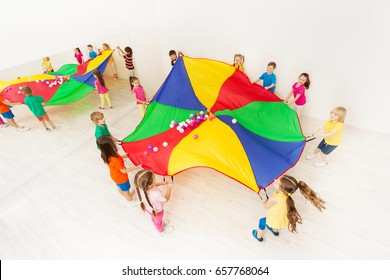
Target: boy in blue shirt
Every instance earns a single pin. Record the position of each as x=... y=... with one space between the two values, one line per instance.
x=92 y=54
x=269 y=78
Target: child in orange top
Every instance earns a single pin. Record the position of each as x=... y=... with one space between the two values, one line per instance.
x=118 y=170
x=6 y=112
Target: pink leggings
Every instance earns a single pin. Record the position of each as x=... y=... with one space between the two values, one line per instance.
x=1 y=121
x=158 y=220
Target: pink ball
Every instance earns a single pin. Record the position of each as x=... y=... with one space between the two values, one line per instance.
x=146 y=153
x=195 y=136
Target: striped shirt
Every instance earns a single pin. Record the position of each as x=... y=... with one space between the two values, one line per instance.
x=129 y=61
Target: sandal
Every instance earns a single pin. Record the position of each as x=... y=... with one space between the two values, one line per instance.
x=276 y=233
x=254 y=234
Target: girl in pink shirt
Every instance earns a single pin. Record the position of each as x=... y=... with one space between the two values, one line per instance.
x=139 y=94
x=78 y=55
x=152 y=199
x=100 y=87
x=298 y=91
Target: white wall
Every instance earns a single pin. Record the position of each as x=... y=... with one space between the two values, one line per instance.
x=342 y=44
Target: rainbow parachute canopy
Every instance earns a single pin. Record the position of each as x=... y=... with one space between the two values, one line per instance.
x=207 y=113
x=69 y=84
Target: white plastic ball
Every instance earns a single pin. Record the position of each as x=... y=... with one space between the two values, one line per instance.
x=155 y=149
x=165 y=144
x=234 y=121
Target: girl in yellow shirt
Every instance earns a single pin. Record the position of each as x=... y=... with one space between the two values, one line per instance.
x=46 y=65
x=332 y=132
x=238 y=62
x=281 y=207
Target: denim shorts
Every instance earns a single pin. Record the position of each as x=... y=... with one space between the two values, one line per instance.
x=325 y=148
x=124 y=186
x=8 y=115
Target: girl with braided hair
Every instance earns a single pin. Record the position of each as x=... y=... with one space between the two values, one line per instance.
x=118 y=170
x=281 y=207
x=152 y=199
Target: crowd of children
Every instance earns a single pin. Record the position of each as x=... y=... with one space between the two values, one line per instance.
x=281 y=211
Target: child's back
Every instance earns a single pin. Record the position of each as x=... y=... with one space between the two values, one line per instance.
x=34 y=103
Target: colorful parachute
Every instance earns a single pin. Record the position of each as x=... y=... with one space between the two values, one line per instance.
x=69 y=84
x=207 y=113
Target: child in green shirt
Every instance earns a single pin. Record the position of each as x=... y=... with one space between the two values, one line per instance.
x=35 y=103
x=101 y=128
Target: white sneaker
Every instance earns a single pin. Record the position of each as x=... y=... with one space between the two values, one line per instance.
x=311 y=156
x=4 y=125
x=56 y=128
x=22 y=129
x=321 y=164
x=167 y=230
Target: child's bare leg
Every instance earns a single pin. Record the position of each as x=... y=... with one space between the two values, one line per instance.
x=260 y=233
x=43 y=122
x=12 y=122
x=120 y=191
x=51 y=124
x=127 y=195
x=323 y=157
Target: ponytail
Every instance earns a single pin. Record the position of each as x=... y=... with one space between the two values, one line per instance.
x=289 y=185
x=142 y=180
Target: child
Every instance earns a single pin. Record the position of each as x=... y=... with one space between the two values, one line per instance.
x=139 y=94
x=101 y=128
x=239 y=62
x=6 y=112
x=298 y=90
x=111 y=62
x=268 y=77
x=118 y=170
x=173 y=57
x=46 y=65
x=281 y=211
x=128 y=56
x=100 y=86
x=78 y=55
x=92 y=54
x=152 y=200
x=332 y=133
x=35 y=104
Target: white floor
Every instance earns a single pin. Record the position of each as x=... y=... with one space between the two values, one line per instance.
x=57 y=200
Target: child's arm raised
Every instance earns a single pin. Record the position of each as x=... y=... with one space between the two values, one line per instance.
x=120 y=50
x=169 y=190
